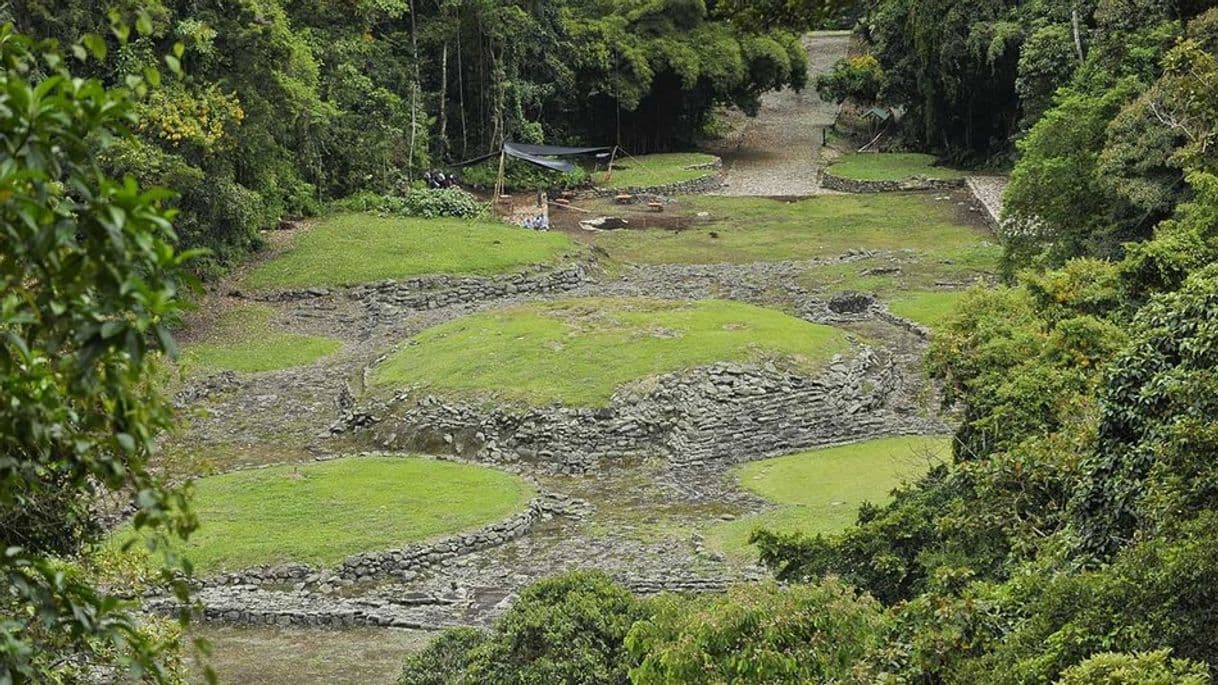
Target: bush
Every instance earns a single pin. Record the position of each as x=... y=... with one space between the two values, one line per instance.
x=522 y=176
x=757 y=634
x=569 y=629
x=856 y=78
x=422 y=202
x=445 y=659
x=1148 y=668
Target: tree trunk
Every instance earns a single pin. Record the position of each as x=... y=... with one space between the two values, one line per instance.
x=444 y=101
x=1078 y=36
x=461 y=94
x=414 y=95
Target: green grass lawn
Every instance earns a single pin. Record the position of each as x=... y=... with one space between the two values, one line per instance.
x=820 y=491
x=891 y=166
x=741 y=230
x=930 y=309
x=577 y=352
x=243 y=340
x=654 y=170
x=321 y=513
x=362 y=248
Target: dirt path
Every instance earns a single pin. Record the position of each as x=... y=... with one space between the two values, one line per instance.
x=779 y=151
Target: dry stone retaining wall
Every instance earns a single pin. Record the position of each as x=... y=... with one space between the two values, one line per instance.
x=725 y=413
x=850 y=185
x=434 y=292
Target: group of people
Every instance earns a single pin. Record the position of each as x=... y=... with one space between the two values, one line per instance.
x=437 y=179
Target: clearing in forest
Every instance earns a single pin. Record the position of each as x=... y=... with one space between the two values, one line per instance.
x=821 y=491
x=578 y=352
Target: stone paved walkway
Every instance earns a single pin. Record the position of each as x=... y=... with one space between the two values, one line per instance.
x=778 y=153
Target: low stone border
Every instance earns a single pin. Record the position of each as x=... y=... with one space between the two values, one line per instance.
x=434 y=292
x=722 y=414
x=912 y=326
x=252 y=606
x=850 y=185
x=441 y=290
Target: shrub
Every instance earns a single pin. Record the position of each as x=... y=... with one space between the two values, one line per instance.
x=1147 y=668
x=445 y=659
x=422 y=202
x=757 y=634
x=521 y=176
x=569 y=629
x=856 y=78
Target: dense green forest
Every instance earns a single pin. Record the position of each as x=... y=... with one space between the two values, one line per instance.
x=282 y=106
x=1072 y=536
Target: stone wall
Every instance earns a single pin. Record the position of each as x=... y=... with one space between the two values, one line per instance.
x=725 y=413
x=434 y=292
x=988 y=191
x=850 y=185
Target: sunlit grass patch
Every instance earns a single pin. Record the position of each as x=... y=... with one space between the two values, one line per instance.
x=745 y=229
x=243 y=339
x=820 y=491
x=891 y=166
x=647 y=171
x=930 y=309
x=321 y=513
x=577 y=352
x=362 y=248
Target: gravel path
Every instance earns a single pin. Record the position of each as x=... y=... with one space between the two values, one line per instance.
x=778 y=153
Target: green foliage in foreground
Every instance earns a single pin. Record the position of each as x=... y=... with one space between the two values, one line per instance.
x=821 y=491
x=360 y=248
x=321 y=513
x=582 y=629
x=89 y=278
x=742 y=230
x=647 y=171
x=578 y=352
x=1079 y=512
x=244 y=340
x=570 y=629
x=756 y=634
x=1146 y=668
x=891 y=166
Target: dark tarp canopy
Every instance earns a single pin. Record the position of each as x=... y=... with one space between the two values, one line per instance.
x=541 y=155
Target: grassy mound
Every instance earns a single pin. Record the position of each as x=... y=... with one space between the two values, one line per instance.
x=577 y=352
x=648 y=171
x=741 y=230
x=891 y=166
x=323 y=512
x=243 y=340
x=822 y=490
x=930 y=309
x=361 y=248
